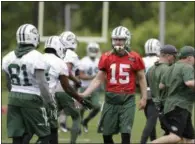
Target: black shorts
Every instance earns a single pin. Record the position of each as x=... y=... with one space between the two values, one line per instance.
x=180 y=123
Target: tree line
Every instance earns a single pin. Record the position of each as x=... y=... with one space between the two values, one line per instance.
x=141 y=18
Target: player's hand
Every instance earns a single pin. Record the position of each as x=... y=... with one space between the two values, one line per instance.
x=52 y=110
x=86 y=104
x=142 y=103
x=159 y=107
x=82 y=95
x=77 y=104
x=78 y=84
x=52 y=106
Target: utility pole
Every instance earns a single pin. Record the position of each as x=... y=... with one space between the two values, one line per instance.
x=162 y=22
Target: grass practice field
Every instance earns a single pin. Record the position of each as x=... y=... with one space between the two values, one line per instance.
x=92 y=136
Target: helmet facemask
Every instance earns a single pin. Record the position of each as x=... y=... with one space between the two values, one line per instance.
x=93 y=52
x=93 y=49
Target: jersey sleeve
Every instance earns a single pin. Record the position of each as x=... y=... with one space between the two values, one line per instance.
x=102 y=63
x=6 y=61
x=82 y=65
x=72 y=57
x=63 y=69
x=38 y=61
x=58 y=67
x=188 y=73
x=76 y=63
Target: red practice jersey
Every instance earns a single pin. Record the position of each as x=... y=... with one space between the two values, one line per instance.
x=121 y=71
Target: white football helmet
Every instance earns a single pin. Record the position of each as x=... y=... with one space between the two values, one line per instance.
x=152 y=46
x=54 y=42
x=28 y=34
x=93 y=49
x=68 y=40
x=121 y=33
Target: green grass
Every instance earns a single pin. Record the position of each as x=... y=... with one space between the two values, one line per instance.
x=92 y=136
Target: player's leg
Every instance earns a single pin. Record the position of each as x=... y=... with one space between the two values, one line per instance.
x=189 y=134
x=171 y=138
x=126 y=118
x=17 y=140
x=53 y=121
x=54 y=136
x=109 y=122
x=67 y=103
x=61 y=115
x=150 y=127
x=15 y=125
x=125 y=137
x=43 y=140
x=163 y=122
x=108 y=139
x=82 y=111
x=177 y=120
x=186 y=141
x=96 y=102
x=75 y=129
x=26 y=138
x=153 y=133
x=36 y=121
x=62 y=119
x=76 y=121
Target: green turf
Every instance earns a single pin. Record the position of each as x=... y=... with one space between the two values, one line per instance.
x=92 y=136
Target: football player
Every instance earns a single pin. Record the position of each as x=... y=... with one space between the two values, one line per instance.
x=120 y=67
x=57 y=71
x=88 y=69
x=64 y=100
x=29 y=89
x=152 y=51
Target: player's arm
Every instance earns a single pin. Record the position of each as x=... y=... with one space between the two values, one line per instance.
x=142 y=82
x=190 y=83
x=8 y=81
x=71 y=76
x=75 y=80
x=95 y=83
x=188 y=76
x=69 y=90
x=161 y=86
x=43 y=85
x=162 y=78
x=4 y=67
x=67 y=87
x=70 y=66
x=83 y=76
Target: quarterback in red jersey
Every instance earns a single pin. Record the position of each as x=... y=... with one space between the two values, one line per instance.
x=120 y=71
x=121 y=67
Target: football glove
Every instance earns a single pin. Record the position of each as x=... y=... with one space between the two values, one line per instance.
x=86 y=104
x=78 y=84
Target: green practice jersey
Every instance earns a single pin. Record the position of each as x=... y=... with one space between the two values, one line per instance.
x=154 y=76
x=178 y=94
